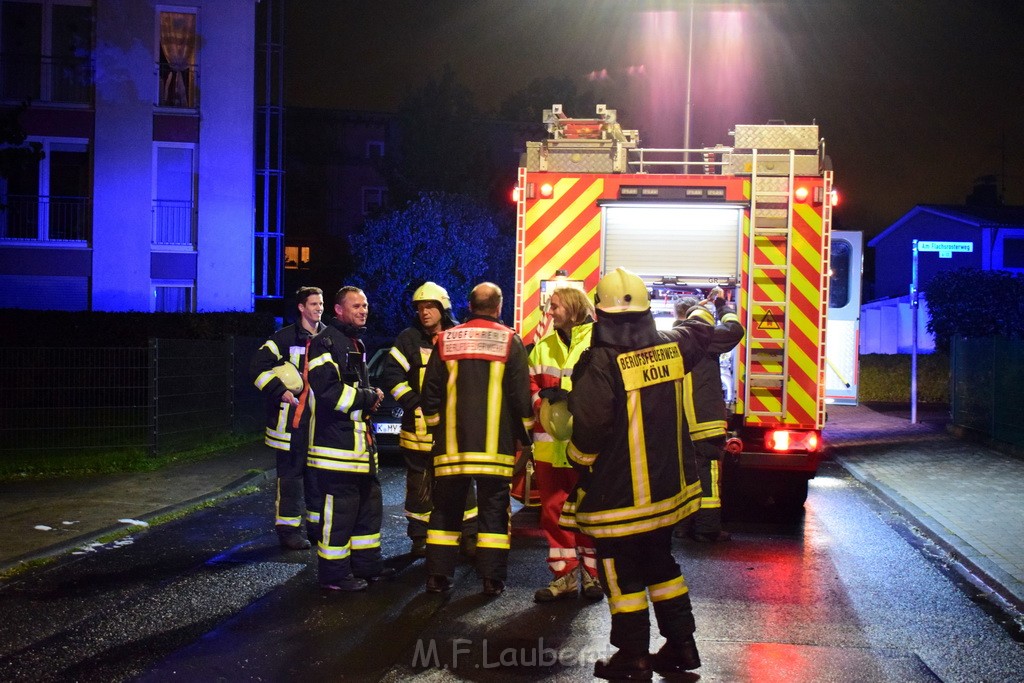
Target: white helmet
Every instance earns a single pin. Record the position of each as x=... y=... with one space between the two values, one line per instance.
x=621 y=291
x=431 y=291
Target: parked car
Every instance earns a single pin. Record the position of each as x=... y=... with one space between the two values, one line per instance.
x=388 y=418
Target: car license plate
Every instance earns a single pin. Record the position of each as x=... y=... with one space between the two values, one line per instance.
x=389 y=427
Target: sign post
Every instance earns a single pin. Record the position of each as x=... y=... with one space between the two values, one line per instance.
x=946 y=250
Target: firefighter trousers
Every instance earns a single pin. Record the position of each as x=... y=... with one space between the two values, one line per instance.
x=297 y=491
x=708 y=519
x=350 y=526
x=638 y=568
x=493 y=520
x=566 y=547
x=418 y=498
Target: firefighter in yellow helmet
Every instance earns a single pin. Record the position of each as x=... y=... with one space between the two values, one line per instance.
x=571 y=556
x=403 y=379
x=638 y=476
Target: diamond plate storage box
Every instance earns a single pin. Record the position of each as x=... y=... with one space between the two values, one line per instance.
x=775 y=137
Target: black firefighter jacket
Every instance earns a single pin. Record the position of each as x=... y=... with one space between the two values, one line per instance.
x=476 y=399
x=703 y=399
x=403 y=379
x=288 y=344
x=341 y=434
x=630 y=439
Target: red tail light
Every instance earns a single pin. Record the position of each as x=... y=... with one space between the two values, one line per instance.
x=789 y=441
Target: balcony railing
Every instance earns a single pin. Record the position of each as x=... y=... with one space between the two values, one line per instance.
x=174 y=222
x=41 y=78
x=52 y=219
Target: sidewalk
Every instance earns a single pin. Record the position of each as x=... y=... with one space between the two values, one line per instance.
x=78 y=511
x=967 y=498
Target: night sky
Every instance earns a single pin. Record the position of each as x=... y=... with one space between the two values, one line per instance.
x=916 y=99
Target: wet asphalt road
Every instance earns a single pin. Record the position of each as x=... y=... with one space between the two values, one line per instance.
x=843 y=594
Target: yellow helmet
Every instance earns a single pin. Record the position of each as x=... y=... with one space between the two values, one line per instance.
x=289 y=376
x=556 y=419
x=431 y=291
x=621 y=291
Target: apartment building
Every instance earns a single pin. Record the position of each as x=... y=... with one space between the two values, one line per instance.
x=144 y=199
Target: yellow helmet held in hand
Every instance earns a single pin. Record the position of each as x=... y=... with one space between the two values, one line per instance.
x=556 y=419
x=289 y=376
x=621 y=291
x=431 y=291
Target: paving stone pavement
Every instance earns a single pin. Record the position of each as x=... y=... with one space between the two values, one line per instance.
x=966 y=497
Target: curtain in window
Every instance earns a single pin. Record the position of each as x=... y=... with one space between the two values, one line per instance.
x=177 y=41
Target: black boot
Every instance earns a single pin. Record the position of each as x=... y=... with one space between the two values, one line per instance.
x=676 y=657
x=625 y=666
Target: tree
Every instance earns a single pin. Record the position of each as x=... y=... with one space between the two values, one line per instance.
x=528 y=104
x=443 y=145
x=450 y=239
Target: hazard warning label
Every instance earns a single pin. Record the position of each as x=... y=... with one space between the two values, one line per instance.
x=768 y=322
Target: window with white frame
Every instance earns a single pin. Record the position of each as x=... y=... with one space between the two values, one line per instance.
x=374 y=199
x=49 y=198
x=174 y=185
x=174 y=296
x=46 y=50
x=177 y=57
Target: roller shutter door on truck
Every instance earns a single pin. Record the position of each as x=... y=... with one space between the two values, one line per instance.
x=697 y=244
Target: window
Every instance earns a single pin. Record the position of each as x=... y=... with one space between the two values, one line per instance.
x=50 y=198
x=174 y=297
x=374 y=149
x=374 y=199
x=177 y=60
x=296 y=258
x=839 y=287
x=174 y=195
x=46 y=51
x=1013 y=252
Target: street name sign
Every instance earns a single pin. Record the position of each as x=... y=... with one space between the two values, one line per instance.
x=946 y=249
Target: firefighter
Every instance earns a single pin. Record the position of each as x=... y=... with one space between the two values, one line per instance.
x=342 y=449
x=287 y=429
x=476 y=400
x=571 y=556
x=705 y=414
x=638 y=476
x=403 y=378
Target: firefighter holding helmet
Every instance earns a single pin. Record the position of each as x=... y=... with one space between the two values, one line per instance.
x=403 y=379
x=571 y=556
x=638 y=475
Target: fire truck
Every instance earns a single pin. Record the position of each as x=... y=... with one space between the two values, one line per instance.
x=753 y=218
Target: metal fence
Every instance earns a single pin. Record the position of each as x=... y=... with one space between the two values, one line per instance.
x=172 y=395
x=988 y=386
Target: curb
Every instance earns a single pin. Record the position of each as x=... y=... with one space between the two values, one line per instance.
x=990 y=580
x=73 y=543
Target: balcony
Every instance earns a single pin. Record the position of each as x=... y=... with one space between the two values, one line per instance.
x=46 y=79
x=47 y=219
x=174 y=223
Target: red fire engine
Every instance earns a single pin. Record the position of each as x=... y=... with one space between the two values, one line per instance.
x=753 y=218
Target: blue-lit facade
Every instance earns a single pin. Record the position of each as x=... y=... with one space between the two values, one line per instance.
x=145 y=198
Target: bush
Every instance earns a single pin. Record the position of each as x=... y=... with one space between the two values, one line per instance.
x=886 y=378
x=975 y=303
